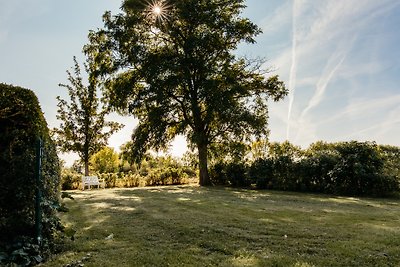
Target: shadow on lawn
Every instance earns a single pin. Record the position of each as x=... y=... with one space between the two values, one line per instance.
x=199 y=226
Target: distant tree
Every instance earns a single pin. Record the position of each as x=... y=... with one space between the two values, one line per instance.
x=284 y=157
x=391 y=156
x=360 y=168
x=105 y=161
x=83 y=127
x=259 y=149
x=285 y=149
x=174 y=68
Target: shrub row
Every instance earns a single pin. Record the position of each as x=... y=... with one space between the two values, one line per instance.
x=348 y=168
x=152 y=177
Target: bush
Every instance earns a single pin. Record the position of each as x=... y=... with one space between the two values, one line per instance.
x=218 y=174
x=21 y=123
x=131 y=179
x=70 y=180
x=358 y=170
x=346 y=168
x=167 y=176
x=237 y=174
x=233 y=174
x=315 y=173
x=261 y=173
x=110 y=179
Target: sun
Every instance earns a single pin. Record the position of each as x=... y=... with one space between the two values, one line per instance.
x=157 y=10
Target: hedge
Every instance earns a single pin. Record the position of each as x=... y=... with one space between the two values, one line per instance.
x=21 y=124
x=345 y=168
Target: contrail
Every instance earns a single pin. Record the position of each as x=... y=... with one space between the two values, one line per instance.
x=320 y=91
x=293 y=70
x=334 y=63
x=321 y=88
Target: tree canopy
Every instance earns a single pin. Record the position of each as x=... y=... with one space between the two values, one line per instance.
x=83 y=127
x=172 y=65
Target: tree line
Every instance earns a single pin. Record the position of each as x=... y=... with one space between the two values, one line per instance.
x=344 y=168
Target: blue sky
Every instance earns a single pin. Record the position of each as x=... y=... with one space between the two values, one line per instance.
x=339 y=58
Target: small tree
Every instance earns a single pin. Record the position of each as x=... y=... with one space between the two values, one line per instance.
x=105 y=161
x=83 y=127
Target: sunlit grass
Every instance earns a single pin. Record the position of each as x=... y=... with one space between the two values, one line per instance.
x=193 y=226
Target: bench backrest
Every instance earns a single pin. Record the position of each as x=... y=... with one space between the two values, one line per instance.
x=90 y=179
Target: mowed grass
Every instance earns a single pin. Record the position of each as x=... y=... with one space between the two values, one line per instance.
x=195 y=226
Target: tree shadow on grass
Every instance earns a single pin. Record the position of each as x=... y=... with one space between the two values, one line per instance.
x=197 y=226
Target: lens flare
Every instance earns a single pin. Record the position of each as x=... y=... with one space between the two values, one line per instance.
x=157 y=10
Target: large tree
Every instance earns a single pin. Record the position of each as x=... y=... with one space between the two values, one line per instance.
x=172 y=65
x=83 y=127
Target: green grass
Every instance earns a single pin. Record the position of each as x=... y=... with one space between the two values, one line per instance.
x=193 y=226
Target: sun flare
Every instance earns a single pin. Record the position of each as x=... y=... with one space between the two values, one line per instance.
x=157 y=10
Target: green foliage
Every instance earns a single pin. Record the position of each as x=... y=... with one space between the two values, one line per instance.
x=359 y=170
x=21 y=124
x=237 y=174
x=109 y=178
x=83 y=127
x=261 y=172
x=232 y=173
x=347 y=168
x=228 y=152
x=152 y=171
x=259 y=149
x=391 y=157
x=70 y=179
x=166 y=176
x=105 y=161
x=284 y=157
x=218 y=174
x=130 y=179
x=179 y=75
x=315 y=173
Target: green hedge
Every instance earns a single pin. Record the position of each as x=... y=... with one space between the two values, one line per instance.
x=21 y=123
x=345 y=168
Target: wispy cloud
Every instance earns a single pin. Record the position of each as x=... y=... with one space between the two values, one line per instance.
x=360 y=108
x=325 y=38
x=335 y=61
x=279 y=18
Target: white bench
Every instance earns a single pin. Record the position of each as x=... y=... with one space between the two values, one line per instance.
x=92 y=180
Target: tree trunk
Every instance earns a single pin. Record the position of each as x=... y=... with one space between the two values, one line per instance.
x=204 y=178
x=86 y=167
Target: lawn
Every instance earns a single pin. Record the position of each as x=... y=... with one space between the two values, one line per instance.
x=194 y=226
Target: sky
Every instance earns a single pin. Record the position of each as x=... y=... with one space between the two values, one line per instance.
x=340 y=60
